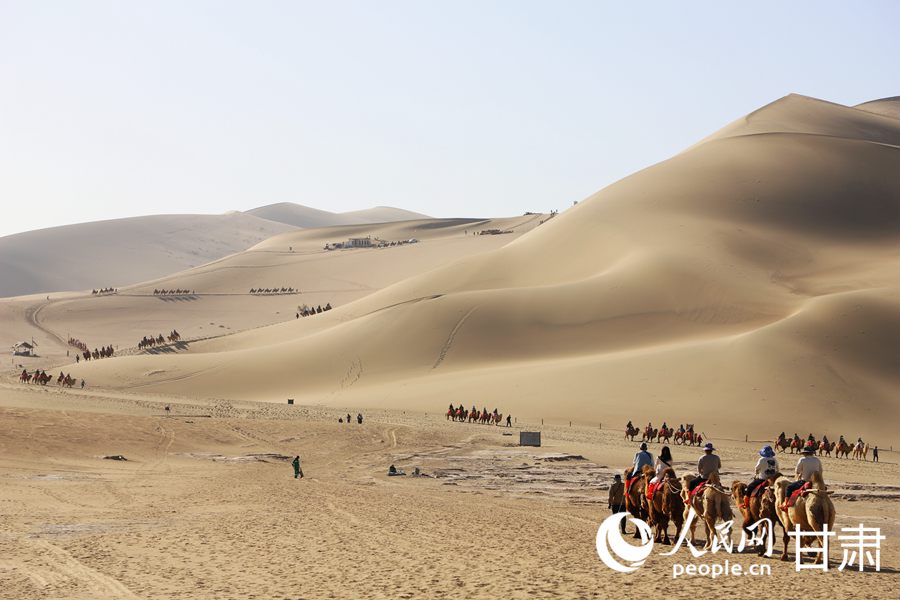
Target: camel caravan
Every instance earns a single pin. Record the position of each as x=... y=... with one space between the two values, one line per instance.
x=684 y=435
x=308 y=311
x=175 y=292
x=104 y=291
x=39 y=377
x=841 y=448
x=276 y=291
x=654 y=493
x=461 y=414
x=87 y=354
x=151 y=341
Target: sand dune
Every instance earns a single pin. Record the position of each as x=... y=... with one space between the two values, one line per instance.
x=222 y=304
x=122 y=251
x=889 y=107
x=758 y=267
x=305 y=216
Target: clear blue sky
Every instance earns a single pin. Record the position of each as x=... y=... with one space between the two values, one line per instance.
x=462 y=108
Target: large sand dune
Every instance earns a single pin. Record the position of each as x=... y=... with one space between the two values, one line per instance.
x=749 y=282
x=119 y=252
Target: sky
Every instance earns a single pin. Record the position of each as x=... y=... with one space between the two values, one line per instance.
x=453 y=109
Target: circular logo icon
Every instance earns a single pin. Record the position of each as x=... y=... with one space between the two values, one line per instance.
x=612 y=547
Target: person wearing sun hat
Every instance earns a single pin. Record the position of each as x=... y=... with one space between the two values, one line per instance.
x=766 y=468
x=708 y=465
x=808 y=464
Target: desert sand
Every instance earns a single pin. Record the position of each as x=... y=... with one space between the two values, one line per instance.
x=748 y=285
x=205 y=508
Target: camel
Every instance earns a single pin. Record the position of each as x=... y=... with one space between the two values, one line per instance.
x=649 y=434
x=665 y=505
x=781 y=444
x=826 y=448
x=630 y=432
x=811 y=512
x=664 y=435
x=843 y=448
x=634 y=497
x=761 y=506
x=796 y=444
x=861 y=451
x=711 y=504
x=497 y=418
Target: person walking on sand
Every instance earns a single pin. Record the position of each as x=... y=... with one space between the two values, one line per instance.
x=875 y=454
x=82 y=384
x=359 y=418
x=298 y=472
x=509 y=420
x=348 y=417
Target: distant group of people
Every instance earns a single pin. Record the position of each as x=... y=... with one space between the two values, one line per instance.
x=308 y=311
x=841 y=447
x=103 y=291
x=40 y=377
x=273 y=291
x=151 y=341
x=86 y=354
x=359 y=419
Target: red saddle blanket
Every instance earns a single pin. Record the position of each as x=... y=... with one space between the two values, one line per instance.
x=630 y=483
x=651 y=489
x=695 y=491
x=801 y=491
x=758 y=490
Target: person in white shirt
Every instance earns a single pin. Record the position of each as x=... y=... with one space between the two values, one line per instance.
x=806 y=466
x=766 y=468
x=663 y=462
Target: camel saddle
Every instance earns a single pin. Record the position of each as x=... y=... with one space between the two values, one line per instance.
x=631 y=481
x=758 y=490
x=801 y=491
x=696 y=490
x=651 y=489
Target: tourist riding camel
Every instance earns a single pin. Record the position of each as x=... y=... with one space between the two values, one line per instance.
x=806 y=466
x=663 y=461
x=766 y=468
x=640 y=459
x=708 y=465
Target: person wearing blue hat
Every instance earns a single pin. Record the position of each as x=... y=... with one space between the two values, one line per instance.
x=766 y=468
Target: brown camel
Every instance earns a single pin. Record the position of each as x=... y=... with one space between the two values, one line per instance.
x=666 y=505
x=761 y=506
x=635 y=501
x=711 y=504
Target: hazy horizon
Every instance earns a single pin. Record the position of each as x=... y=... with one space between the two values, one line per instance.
x=111 y=110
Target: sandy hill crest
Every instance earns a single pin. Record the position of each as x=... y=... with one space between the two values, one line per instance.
x=305 y=216
x=119 y=252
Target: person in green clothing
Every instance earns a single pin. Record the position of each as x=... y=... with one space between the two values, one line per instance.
x=298 y=472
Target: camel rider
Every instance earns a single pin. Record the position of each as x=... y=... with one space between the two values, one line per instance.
x=806 y=466
x=766 y=468
x=681 y=428
x=474 y=410
x=629 y=426
x=842 y=441
x=664 y=426
x=810 y=438
x=708 y=465
x=825 y=439
x=663 y=462
x=859 y=441
x=640 y=459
